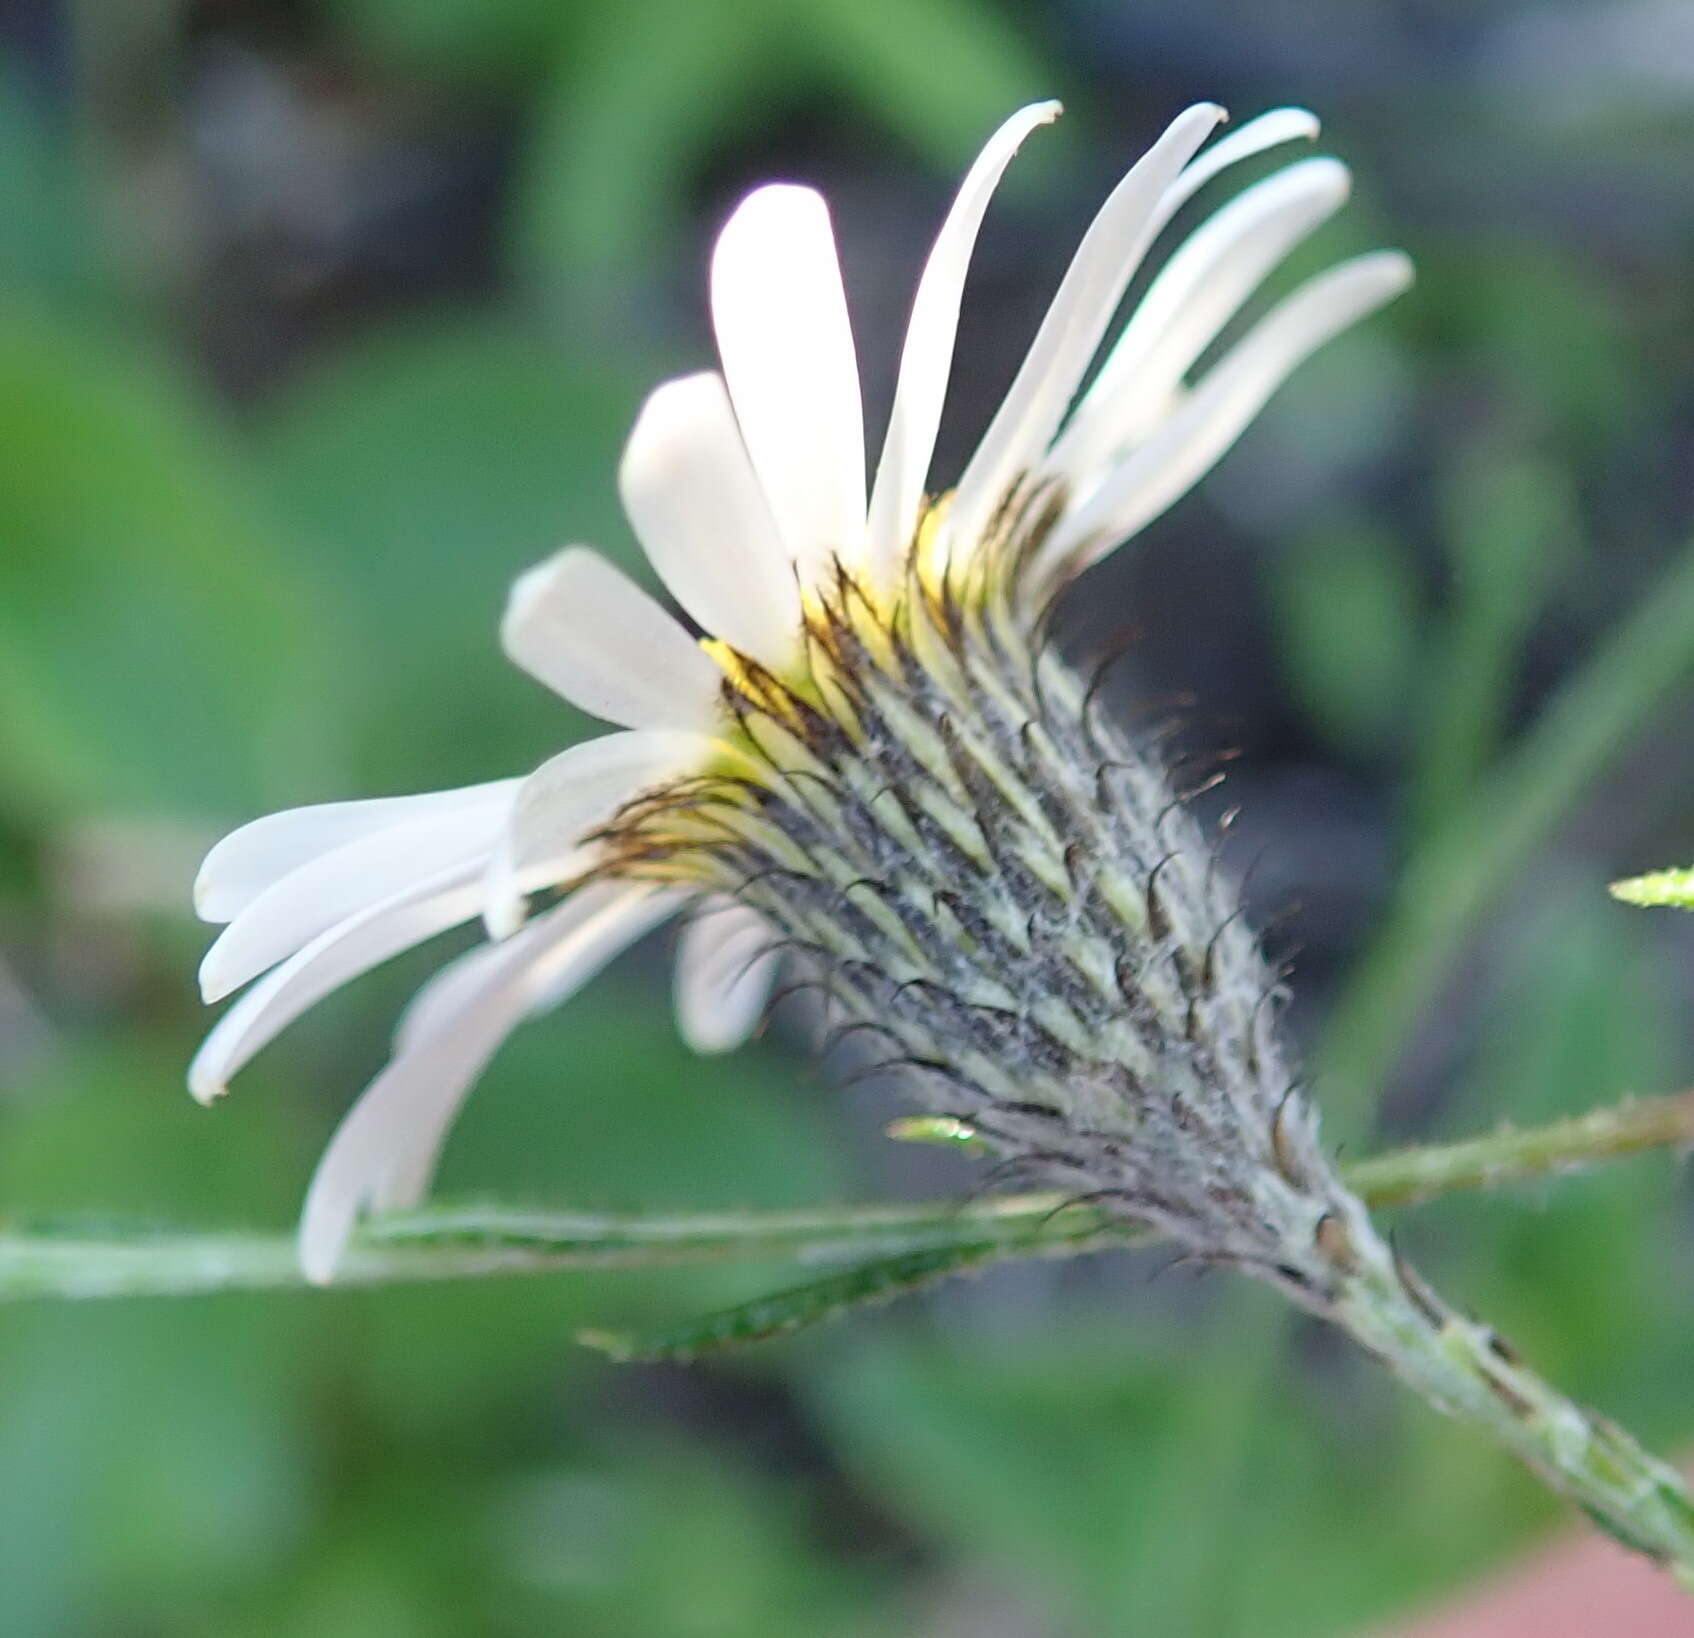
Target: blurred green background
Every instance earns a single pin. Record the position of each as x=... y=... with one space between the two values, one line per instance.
x=318 y=321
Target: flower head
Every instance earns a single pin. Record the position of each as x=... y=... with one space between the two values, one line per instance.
x=870 y=764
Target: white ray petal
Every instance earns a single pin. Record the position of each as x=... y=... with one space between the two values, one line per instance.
x=587 y=631
x=704 y=522
x=1089 y=294
x=570 y=796
x=1196 y=294
x=1272 y=130
x=787 y=349
x=725 y=966
x=384 y=1152
x=926 y=361
x=342 y=882
x=332 y=959
x=258 y=855
x=1226 y=400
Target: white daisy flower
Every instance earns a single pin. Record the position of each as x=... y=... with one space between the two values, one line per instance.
x=856 y=731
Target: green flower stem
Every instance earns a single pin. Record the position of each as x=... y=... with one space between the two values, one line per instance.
x=1465 y=1370
x=1404 y=1177
x=72 y=1261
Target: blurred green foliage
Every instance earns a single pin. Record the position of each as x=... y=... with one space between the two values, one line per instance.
x=206 y=610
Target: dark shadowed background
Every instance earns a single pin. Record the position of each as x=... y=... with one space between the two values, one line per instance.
x=319 y=321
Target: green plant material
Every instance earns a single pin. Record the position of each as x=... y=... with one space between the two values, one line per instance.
x=461 y=36
x=1349 y=613
x=1455 y=873
x=884 y=54
x=620 y=134
x=153 y=565
x=1510 y=527
x=425 y=468
x=944 y=1131
x=43 y=223
x=1674 y=888
x=895 y=1247
x=1575 y=1009
x=796 y=1307
x=633 y=97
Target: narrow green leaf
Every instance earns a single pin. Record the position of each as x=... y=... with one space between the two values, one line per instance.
x=621 y=133
x=161 y=648
x=889 y=56
x=1658 y=887
x=1454 y=876
x=1349 y=612
x=797 y=1306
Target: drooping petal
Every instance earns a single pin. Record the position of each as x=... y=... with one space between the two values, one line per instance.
x=1197 y=293
x=1270 y=130
x=1089 y=294
x=1226 y=400
x=258 y=855
x=384 y=1152
x=342 y=882
x=568 y=797
x=587 y=631
x=704 y=521
x=332 y=959
x=725 y=965
x=787 y=349
x=926 y=361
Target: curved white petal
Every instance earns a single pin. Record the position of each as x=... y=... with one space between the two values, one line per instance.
x=1226 y=400
x=1196 y=294
x=787 y=349
x=342 y=882
x=332 y=959
x=1270 y=130
x=725 y=966
x=568 y=797
x=258 y=855
x=926 y=361
x=384 y=1152
x=1092 y=287
x=704 y=522
x=587 y=631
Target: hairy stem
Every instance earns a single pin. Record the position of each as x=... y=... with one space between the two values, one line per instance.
x=1467 y=1371
x=458 y=1242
